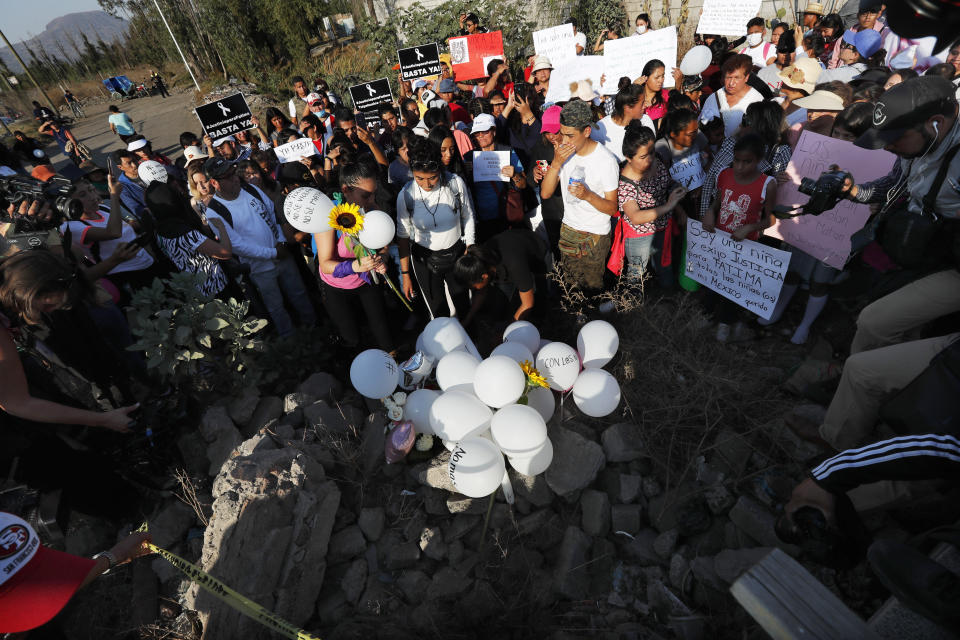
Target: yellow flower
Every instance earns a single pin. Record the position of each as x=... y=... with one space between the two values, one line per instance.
x=533 y=376
x=346 y=218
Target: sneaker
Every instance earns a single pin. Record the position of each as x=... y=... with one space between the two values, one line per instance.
x=742 y=333
x=723 y=332
x=607 y=307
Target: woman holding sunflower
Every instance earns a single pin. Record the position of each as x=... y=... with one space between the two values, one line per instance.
x=435 y=225
x=345 y=279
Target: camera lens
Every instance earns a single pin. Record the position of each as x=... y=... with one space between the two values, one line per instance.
x=807 y=186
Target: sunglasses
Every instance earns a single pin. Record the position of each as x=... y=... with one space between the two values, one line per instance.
x=498 y=104
x=848 y=46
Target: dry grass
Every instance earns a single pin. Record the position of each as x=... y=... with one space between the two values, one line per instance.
x=188 y=496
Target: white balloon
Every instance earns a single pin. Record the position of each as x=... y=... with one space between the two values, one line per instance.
x=540 y=346
x=441 y=336
x=499 y=381
x=537 y=463
x=543 y=401
x=455 y=369
x=523 y=332
x=152 y=171
x=559 y=364
x=515 y=351
x=456 y=415
x=596 y=392
x=378 y=230
x=518 y=430
x=308 y=210
x=597 y=343
x=476 y=467
x=374 y=374
x=696 y=60
x=417 y=409
x=483 y=434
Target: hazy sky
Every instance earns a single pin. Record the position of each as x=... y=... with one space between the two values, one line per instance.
x=21 y=24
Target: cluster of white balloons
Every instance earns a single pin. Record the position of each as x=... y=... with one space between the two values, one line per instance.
x=476 y=412
x=308 y=210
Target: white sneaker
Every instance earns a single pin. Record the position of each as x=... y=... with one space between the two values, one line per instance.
x=723 y=332
x=607 y=307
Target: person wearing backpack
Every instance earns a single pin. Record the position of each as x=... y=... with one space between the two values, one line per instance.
x=257 y=240
x=762 y=53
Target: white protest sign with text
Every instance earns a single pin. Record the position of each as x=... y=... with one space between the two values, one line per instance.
x=557 y=43
x=627 y=56
x=688 y=172
x=826 y=237
x=580 y=68
x=487 y=165
x=295 y=150
x=746 y=272
x=727 y=17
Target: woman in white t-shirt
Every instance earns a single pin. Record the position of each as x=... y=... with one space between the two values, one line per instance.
x=435 y=225
x=730 y=102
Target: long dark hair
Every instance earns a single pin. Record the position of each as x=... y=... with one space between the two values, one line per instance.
x=28 y=276
x=767 y=120
x=676 y=121
x=627 y=96
x=469 y=268
x=172 y=211
x=269 y=184
x=437 y=136
x=636 y=136
x=649 y=68
x=273 y=112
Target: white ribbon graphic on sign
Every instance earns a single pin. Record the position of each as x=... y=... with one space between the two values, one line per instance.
x=419 y=55
x=222 y=108
x=371 y=91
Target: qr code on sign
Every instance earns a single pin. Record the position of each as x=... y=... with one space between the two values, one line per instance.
x=459 y=53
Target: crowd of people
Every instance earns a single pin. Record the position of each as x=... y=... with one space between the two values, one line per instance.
x=584 y=184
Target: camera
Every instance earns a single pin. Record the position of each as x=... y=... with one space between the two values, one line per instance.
x=26 y=232
x=825 y=193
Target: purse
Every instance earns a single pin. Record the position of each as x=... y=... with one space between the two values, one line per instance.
x=930 y=403
x=442 y=261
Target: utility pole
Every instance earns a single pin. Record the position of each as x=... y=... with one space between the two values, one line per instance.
x=29 y=75
x=177 y=45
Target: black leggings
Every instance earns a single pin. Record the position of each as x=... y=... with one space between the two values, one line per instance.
x=341 y=306
x=430 y=284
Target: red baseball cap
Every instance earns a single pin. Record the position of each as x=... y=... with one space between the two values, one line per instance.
x=35 y=582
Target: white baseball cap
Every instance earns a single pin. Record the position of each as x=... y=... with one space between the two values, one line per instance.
x=220 y=141
x=483 y=122
x=194 y=153
x=137 y=144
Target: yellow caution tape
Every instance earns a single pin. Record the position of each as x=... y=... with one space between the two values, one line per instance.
x=241 y=603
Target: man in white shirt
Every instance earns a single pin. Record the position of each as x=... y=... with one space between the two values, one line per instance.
x=588 y=176
x=579 y=38
x=762 y=53
x=297 y=106
x=249 y=218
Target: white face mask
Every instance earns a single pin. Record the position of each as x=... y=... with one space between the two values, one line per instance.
x=642 y=29
x=754 y=39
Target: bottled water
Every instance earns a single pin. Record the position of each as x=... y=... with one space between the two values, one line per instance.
x=577 y=175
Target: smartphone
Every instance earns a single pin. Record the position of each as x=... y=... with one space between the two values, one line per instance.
x=544 y=165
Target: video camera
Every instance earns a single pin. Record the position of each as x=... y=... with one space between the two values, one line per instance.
x=26 y=232
x=825 y=193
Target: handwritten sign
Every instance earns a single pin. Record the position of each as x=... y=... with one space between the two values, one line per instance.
x=627 y=56
x=225 y=117
x=419 y=62
x=827 y=237
x=557 y=43
x=747 y=272
x=688 y=172
x=295 y=150
x=469 y=53
x=727 y=17
x=573 y=71
x=487 y=165
x=368 y=96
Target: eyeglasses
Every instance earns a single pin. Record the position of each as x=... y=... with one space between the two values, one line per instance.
x=848 y=46
x=498 y=104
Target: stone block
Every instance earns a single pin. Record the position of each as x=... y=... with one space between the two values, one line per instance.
x=622 y=442
x=625 y=517
x=595 y=512
x=571 y=578
x=371 y=522
x=346 y=544
x=576 y=461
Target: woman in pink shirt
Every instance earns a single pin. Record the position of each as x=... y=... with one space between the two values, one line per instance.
x=655 y=97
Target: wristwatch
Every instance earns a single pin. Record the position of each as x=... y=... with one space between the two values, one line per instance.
x=112 y=559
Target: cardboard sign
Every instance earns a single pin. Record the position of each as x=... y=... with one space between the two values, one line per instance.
x=296 y=150
x=487 y=166
x=572 y=71
x=557 y=43
x=747 y=272
x=827 y=237
x=368 y=97
x=469 y=54
x=225 y=117
x=419 y=62
x=727 y=17
x=688 y=172
x=627 y=56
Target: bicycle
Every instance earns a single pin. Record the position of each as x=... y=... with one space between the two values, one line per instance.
x=77 y=109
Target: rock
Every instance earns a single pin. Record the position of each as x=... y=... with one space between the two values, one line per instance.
x=622 y=442
x=457 y=503
x=719 y=499
x=625 y=517
x=707 y=474
x=455 y=552
x=459 y=526
x=332 y=607
x=372 y=443
x=403 y=556
x=355 y=580
x=603 y=561
x=756 y=521
x=242 y=407
x=576 y=461
x=278 y=500
x=665 y=543
x=333 y=419
x=374 y=599
x=630 y=487
x=731 y=453
x=269 y=409
x=346 y=544
x=651 y=488
x=371 y=522
x=164 y=570
x=413 y=584
x=640 y=549
x=298 y=400
x=171 y=523
x=435 y=473
x=193 y=450
x=729 y=564
x=679 y=569
x=448 y=584
x=221 y=435
x=570 y=577
x=702 y=568
x=321 y=386
x=432 y=544
x=482 y=603
x=595 y=507
x=533 y=489
x=144 y=591
x=709 y=542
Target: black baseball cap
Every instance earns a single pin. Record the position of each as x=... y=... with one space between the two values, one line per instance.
x=217 y=167
x=904 y=106
x=290 y=173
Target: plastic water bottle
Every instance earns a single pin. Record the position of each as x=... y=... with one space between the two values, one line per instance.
x=578 y=175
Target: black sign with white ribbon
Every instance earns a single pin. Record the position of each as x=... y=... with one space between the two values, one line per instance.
x=225 y=117
x=419 y=62
x=368 y=96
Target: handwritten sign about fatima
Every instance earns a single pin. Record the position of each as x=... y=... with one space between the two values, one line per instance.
x=487 y=165
x=688 y=172
x=827 y=237
x=225 y=117
x=747 y=272
x=627 y=56
x=368 y=96
x=727 y=17
x=295 y=150
x=419 y=62
x=469 y=54
x=572 y=72
x=557 y=43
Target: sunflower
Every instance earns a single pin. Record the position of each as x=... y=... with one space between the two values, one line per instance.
x=346 y=218
x=534 y=379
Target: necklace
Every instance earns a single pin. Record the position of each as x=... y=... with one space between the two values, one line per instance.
x=426 y=203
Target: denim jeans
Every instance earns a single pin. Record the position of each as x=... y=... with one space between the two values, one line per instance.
x=284 y=278
x=638 y=254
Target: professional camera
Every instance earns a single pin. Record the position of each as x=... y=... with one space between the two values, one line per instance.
x=25 y=232
x=825 y=193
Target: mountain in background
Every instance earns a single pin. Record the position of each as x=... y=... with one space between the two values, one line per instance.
x=96 y=24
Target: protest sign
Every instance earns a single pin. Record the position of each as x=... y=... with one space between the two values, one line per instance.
x=470 y=54
x=557 y=43
x=295 y=150
x=827 y=237
x=688 y=172
x=627 y=56
x=419 y=62
x=727 y=17
x=368 y=97
x=747 y=272
x=572 y=71
x=225 y=117
x=487 y=165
